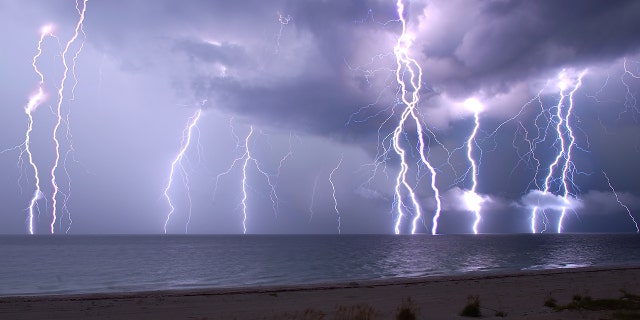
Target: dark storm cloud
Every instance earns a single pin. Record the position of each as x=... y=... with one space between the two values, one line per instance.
x=328 y=75
x=335 y=25
x=230 y=49
x=508 y=41
x=317 y=106
x=466 y=45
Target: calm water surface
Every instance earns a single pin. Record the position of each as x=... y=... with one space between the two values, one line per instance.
x=80 y=264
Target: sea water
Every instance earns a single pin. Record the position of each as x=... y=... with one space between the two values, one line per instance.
x=31 y=265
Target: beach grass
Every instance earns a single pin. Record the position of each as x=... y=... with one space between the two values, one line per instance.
x=511 y=295
x=627 y=306
x=407 y=310
x=472 y=308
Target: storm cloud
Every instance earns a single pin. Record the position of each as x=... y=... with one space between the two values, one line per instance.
x=317 y=82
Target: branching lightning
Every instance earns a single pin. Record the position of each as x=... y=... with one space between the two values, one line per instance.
x=246 y=157
x=333 y=194
x=409 y=78
x=471 y=198
x=58 y=111
x=34 y=102
x=273 y=195
x=561 y=170
x=404 y=132
x=631 y=102
x=176 y=164
x=635 y=223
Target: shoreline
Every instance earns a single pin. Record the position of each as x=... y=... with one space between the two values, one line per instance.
x=520 y=295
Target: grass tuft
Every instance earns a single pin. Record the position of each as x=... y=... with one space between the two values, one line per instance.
x=472 y=308
x=627 y=307
x=355 y=312
x=500 y=314
x=551 y=303
x=407 y=310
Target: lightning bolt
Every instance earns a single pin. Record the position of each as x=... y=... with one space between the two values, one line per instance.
x=631 y=102
x=410 y=97
x=333 y=194
x=176 y=164
x=313 y=196
x=284 y=21
x=565 y=141
x=31 y=106
x=246 y=157
x=249 y=158
x=33 y=102
x=529 y=156
x=471 y=198
x=58 y=110
x=273 y=195
x=621 y=203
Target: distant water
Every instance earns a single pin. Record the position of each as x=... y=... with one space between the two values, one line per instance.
x=81 y=264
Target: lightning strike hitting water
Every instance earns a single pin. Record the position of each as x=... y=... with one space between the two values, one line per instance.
x=635 y=223
x=565 y=141
x=408 y=67
x=333 y=194
x=31 y=106
x=472 y=200
x=58 y=111
x=187 y=134
x=247 y=157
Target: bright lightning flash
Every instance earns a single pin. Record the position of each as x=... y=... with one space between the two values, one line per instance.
x=58 y=111
x=471 y=199
x=34 y=102
x=333 y=193
x=409 y=78
x=561 y=169
x=187 y=134
x=246 y=157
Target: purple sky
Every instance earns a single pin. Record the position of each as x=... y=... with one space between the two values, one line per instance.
x=316 y=80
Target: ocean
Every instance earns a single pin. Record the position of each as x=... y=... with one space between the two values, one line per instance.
x=34 y=265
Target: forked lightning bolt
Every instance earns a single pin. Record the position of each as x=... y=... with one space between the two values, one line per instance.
x=246 y=157
x=631 y=102
x=176 y=164
x=333 y=194
x=34 y=102
x=472 y=200
x=565 y=141
x=635 y=223
x=409 y=78
x=58 y=110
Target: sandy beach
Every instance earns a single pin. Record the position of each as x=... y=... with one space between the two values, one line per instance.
x=516 y=296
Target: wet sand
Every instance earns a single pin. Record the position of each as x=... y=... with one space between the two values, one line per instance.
x=518 y=295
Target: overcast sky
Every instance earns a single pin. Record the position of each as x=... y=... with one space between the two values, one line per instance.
x=314 y=82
